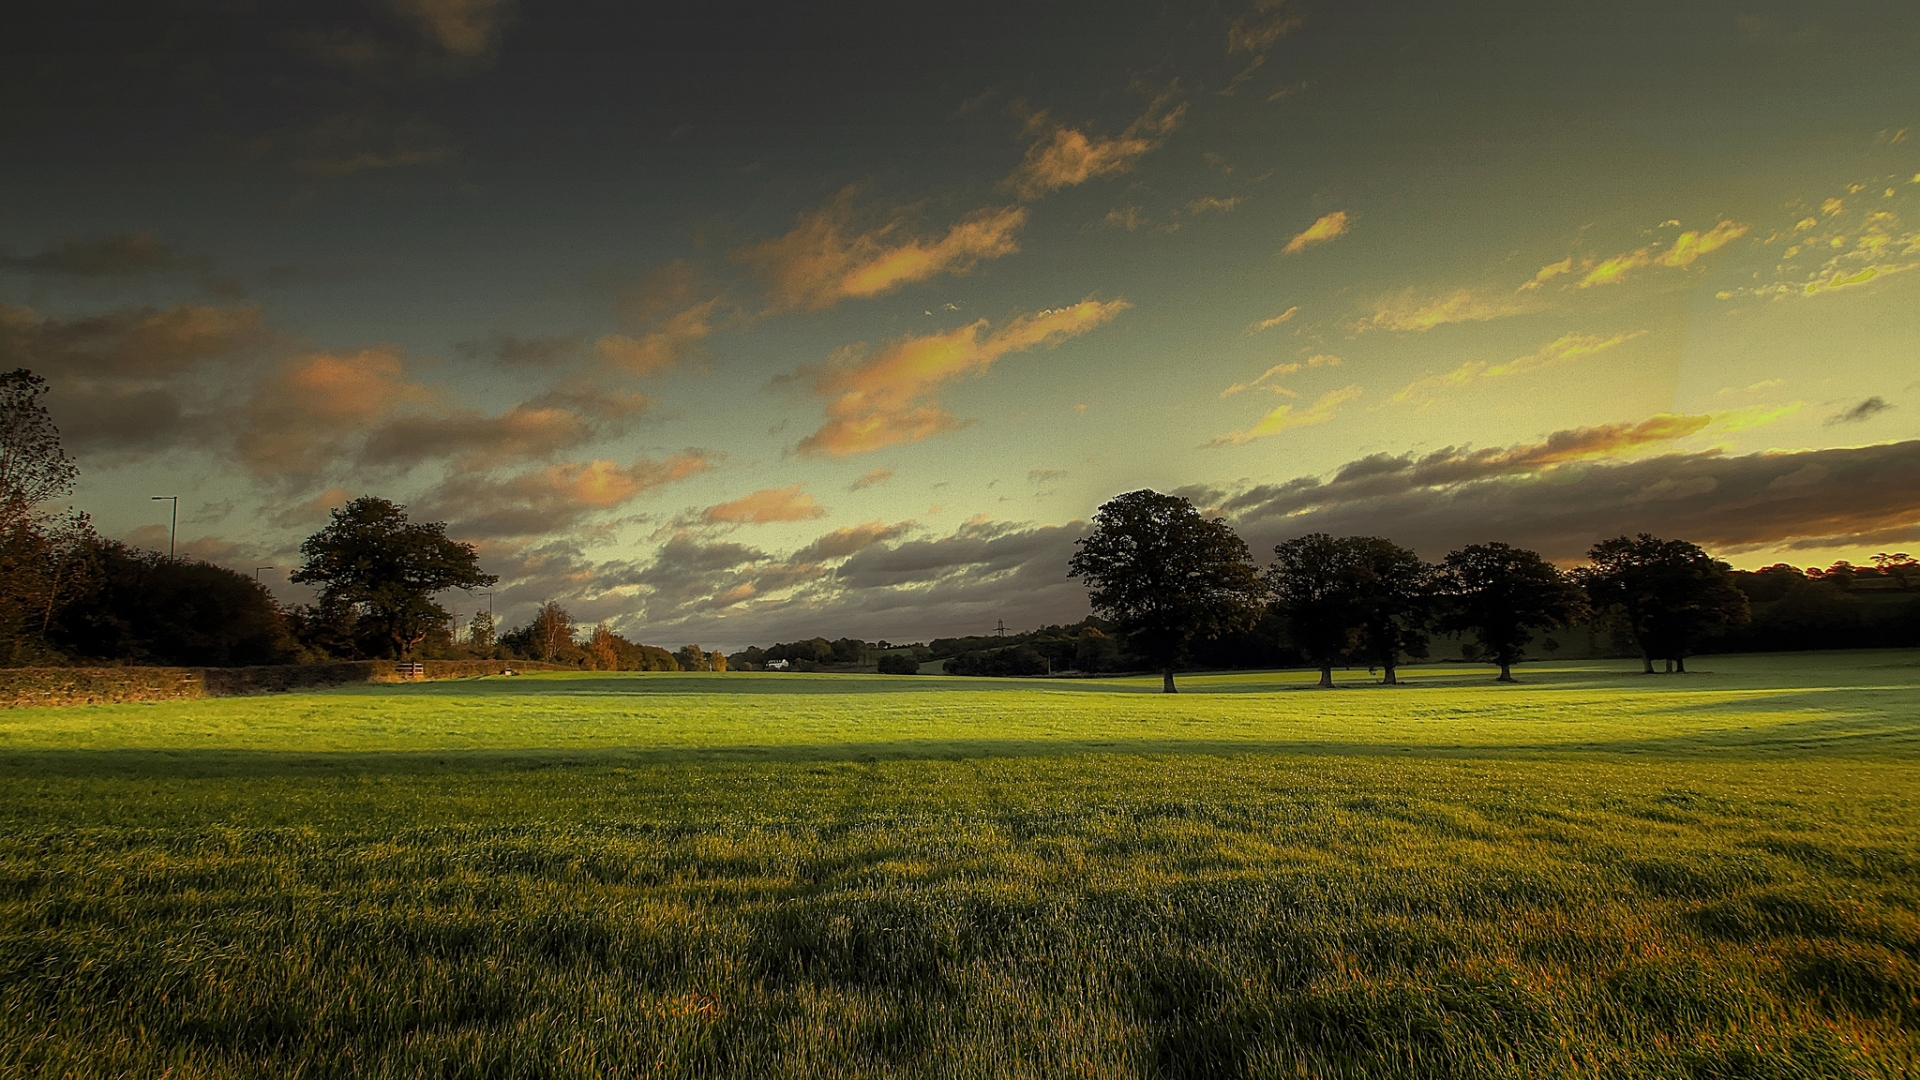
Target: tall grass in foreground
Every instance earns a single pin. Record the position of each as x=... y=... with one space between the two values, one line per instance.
x=1088 y=914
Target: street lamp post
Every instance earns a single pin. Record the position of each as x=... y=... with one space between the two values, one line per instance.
x=173 y=521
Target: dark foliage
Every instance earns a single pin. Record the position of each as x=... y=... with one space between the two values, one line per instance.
x=1666 y=596
x=1165 y=575
x=899 y=664
x=372 y=557
x=145 y=608
x=1500 y=595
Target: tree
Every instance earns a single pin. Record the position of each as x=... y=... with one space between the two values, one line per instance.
x=1313 y=583
x=388 y=568
x=899 y=664
x=1393 y=594
x=692 y=658
x=1501 y=594
x=1164 y=574
x=480 y=632
x=144 y=607
x=33 y=467
x=1664 y=594
x=42 y=551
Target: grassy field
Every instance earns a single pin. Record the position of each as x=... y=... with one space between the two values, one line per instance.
x=1593 y=873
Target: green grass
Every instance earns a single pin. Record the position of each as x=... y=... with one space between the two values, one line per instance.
x=1589 y=874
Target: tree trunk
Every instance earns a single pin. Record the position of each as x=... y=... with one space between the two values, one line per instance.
x=1679 y=665
x=1390 y=679
x=1669 y=667
x=1326 y=677
x=1506 y=671
x=1648 y=660
x=1166 y=686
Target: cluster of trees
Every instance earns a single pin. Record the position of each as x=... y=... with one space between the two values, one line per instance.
x=1167 y=577
x=68 y=594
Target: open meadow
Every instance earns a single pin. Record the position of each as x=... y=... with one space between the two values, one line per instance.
x=1592 y=873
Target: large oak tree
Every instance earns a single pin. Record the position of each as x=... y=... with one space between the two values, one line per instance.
x=388 y=568
x=1501 y=594
x=1666 y=594
x=1165 y=575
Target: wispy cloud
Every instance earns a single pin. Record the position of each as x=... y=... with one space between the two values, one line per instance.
x=1279 y=370
x=1686 y=248
x=1210 y=202
x=1286 y=418
x=463 y=27
x=829 y=256
x=1065 y=156
x=1268 y=324
x=885 y=397
x=870 y=478
x=125 y=255
x=1320 y=232
x=1417 y=312
x=1864 y=411
x=1562 y=350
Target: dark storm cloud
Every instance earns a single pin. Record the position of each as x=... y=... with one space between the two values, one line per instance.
x=1803 y=499
x=121 y=381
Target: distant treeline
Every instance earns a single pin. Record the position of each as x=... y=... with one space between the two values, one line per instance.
x=1790 y=609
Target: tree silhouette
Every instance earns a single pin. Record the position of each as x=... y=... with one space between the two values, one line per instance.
x=1393 y=590
x=1666 y=594
x=371 y=557
x=1313 y=584
x=1501 y=594
x=1164 y=574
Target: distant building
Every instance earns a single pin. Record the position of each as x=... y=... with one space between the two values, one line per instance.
x=777 y=665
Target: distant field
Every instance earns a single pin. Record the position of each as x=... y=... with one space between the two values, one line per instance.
x=1593 y=873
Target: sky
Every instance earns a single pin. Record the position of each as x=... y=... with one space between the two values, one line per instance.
x=740 y=323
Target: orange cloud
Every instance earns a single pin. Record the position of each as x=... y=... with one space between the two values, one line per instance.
x=661 y=348
x=299 y=419
x=1320 y=232
x=1066 y=156
x=849 y=540
x=525 y=431
x=883 y=399
x=1285 y=418
x=825 y=260
x=546 y=500
x=762 y=507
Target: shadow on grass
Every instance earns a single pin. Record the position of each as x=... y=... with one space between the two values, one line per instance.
x=1839 y=737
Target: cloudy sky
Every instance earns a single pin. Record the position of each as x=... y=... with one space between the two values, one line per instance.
x=742 y=322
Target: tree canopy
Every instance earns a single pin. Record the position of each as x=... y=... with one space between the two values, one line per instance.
x=1501 y=594
x=1393 y=593
x=1664 y=594
x=1312 y=582
x=373 y=558
x=1164 y=574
